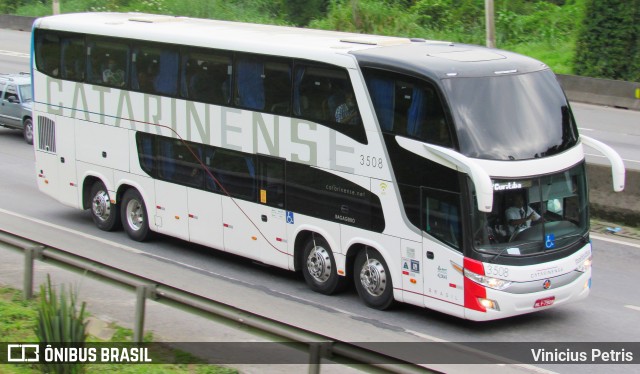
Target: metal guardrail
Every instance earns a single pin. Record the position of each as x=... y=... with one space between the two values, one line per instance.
x=319 y=346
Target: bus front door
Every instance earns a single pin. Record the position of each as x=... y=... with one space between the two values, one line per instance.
x=443 y=279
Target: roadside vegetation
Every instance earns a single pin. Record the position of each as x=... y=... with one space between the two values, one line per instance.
x=20 y=320
x=542 y=29
x=597 y=38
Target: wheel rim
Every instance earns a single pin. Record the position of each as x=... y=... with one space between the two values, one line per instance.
x=135 y=215
x=319 y=264
x=101 y=206
x=373 y=277
x=28 y=130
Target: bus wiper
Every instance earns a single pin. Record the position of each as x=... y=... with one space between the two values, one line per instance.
x=498 y=255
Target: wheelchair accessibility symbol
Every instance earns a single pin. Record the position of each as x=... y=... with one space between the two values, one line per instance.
x=550 y=241
x=290 y=219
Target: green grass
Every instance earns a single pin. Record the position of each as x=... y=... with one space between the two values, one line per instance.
x=18 y=319
x=558 y=56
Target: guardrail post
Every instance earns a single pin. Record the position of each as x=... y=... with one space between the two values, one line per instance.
x=138 y=324
x=30 y=254
x=27 y=284
x=314 y=358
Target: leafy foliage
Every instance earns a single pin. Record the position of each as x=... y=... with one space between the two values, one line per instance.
x=60 y=323
x=609 y=42
x=544 y=29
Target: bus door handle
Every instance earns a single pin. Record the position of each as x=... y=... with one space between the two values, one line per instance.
x=264 y=218
x=430 y=255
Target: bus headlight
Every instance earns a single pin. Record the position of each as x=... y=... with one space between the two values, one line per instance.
x=584 y=265
x=495 y=283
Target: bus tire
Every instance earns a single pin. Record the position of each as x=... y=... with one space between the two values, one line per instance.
x=105 y=214
x=373 y=279
x=319 y=267
x=134 y=216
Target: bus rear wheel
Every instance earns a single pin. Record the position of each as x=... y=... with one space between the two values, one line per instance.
x=373 y=279
x=104 y=213
x=134 y=216
x=319 y=267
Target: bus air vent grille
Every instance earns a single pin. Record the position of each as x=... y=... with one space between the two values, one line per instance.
x=46 y=134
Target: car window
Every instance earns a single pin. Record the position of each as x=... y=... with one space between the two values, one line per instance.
x=25 y=93
x=11 y=92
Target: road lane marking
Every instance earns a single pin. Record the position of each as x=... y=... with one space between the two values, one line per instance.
x=637 y=308
x=601 y=156
x=14 y=54
x=615 y=241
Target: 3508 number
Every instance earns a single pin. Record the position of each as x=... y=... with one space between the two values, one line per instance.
x=372 y=161
x=497 y=271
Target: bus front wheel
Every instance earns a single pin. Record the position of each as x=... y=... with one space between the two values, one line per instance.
x=373 y=279
x=134 y=216
x=319 y=267
x=104 y=213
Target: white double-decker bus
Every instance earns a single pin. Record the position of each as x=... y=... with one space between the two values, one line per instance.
x=442 y=175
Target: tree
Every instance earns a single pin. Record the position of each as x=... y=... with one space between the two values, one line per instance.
x=608 y=45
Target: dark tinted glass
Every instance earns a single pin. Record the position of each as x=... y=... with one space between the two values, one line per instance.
x=511 y=117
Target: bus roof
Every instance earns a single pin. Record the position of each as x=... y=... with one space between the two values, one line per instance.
x=448 y=60
x=236 y=36
x=436 y=59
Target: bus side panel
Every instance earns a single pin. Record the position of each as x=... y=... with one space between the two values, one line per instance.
x=443 y=279
x=47 y=171
x=171 y=210
x=205 y=218
x=47 y=160
x=412 y=268
x=70 y=191
x=255 y=231
x=54 y=139
x=103 y=145
x=105 y=175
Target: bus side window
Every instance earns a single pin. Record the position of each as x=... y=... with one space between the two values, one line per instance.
x=177 y=162
x=155 y=70
x=108 y=63
x=319 y=90
x=206 y=76
x=263 y=84
x=408 y=106
x=236 y=173
x=73 y=58
x=47 y=51
x=271 y=182
x=441 y=215
x=324 y=94
x=146 y=152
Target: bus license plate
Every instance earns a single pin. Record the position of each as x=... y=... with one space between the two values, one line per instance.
x=547 y=301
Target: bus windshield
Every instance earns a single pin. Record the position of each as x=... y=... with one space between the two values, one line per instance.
x=511 y=117
x=534 y=215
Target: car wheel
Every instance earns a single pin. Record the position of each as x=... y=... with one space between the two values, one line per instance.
x=27 y=131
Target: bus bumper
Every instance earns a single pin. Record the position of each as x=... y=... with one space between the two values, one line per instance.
x=509 y=304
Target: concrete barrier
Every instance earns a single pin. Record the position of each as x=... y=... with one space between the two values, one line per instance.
x=20 y=23
x=622 y=207
x=619 y=94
